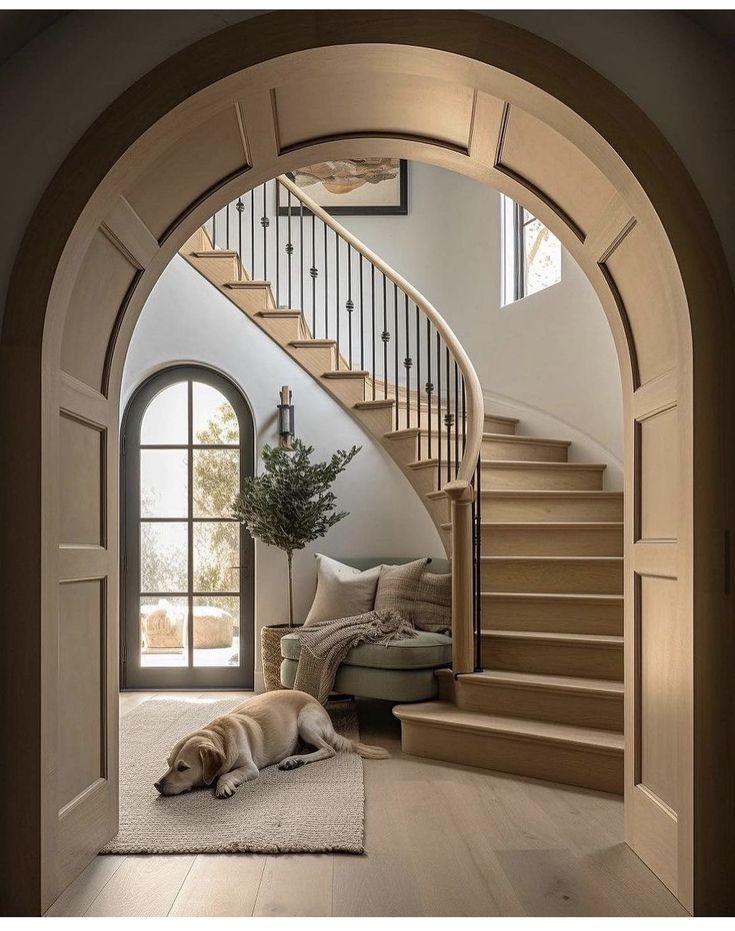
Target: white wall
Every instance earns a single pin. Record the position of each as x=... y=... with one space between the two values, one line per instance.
x=186 y=320
x=548 y=359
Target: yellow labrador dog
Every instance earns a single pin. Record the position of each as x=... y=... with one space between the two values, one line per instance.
x=259 y=732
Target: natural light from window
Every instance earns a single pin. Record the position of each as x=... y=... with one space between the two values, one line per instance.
x=531 y=253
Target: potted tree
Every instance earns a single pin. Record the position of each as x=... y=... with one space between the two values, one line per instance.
x=289 y=505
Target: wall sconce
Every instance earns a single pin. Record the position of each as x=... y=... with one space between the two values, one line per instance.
x=285 y=418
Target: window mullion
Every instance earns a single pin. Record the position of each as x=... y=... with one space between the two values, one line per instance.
x=190 y=520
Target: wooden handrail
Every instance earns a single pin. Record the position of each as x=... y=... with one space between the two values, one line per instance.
x=474 y=399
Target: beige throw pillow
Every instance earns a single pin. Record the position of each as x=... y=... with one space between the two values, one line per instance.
x=433 y=609
x=341 y=591
x=398 y=587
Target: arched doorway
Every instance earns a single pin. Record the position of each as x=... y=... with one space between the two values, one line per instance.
x=187 y=586
x=460 y=91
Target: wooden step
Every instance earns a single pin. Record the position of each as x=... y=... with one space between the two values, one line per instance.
x=424 y=473
x=565 y=699
x=283 y=325
x=550 y=505
x=498 y=474
x=523 y=448
x=252 y=295
x=274 y=314
x=219 y=265
x=547 y=538
x=553 y=613
x=347 y=384
x=581 y=756
x=590 y=656
x=493 y=423
x=315 y=355
x=574 y=575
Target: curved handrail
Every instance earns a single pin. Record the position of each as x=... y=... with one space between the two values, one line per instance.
x=474 y=404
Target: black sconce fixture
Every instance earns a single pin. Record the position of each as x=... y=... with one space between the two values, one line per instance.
x=285 y=418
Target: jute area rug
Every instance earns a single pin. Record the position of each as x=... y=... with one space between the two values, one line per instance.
x=316 y=808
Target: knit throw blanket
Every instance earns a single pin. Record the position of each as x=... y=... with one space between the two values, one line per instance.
x=324 y=646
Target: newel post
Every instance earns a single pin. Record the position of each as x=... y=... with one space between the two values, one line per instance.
x=461 y=496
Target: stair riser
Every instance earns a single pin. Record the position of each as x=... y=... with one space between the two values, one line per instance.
x=256 y=298
x=553 y=658
x=315 y=359
x=584 y=767
x=377 y=421
x=585 y=709
x=348 y=390
x=576 y=577
x=549 y=617
x=424 y=479
x=550 y=509
x=533 y=452
x=283 y=331
x=220 y=268
x=548 y=542
x=532 y=479
x=410 y=419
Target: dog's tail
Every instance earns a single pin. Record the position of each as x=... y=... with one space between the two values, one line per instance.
x=354 y=746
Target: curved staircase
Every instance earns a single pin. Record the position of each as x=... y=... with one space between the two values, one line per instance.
x=536 y=685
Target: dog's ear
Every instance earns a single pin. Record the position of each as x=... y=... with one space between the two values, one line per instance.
x=175 y=752
x=212 y=762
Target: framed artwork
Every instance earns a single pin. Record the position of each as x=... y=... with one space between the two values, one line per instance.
x=353 y=186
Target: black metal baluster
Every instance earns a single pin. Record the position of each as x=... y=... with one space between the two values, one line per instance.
x=252 y=233
x=372 y=299
x=418 y=380
x=362 y=319
x=385 y=336
x=289 y=253
x=314 y=273
x=349 y=306
x=478 y=565
x=407 y=363
x=396 y=333
x=302 y=308
x=278 y=252
x=326 y=289
x=439 y=406
x=240 y=208
x=336 y=300
x=265 y=223
x=448 y=418
x=429 y=386
x=456 y=418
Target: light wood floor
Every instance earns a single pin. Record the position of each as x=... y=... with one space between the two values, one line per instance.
x=441 y=840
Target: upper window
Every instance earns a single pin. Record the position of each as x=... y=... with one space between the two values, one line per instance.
x=531 y=253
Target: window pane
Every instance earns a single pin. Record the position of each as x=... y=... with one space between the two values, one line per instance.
x=543 y=257
x=165 y=419
x=217 y=557
x=163 y=632
x=216 y=481
x=215 y=420
x=216 y=631
x=163 y=557
x=164 y=482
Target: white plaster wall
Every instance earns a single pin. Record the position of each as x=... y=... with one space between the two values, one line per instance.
x=548 y=359
x=186 y=320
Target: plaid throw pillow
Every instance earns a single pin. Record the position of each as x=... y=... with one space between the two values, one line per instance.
x=433 y=607
x=398 y=587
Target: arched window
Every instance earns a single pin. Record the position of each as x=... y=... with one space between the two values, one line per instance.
x=187 y=588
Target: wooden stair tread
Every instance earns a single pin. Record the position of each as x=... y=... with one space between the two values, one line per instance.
x=444 y=714
x=215 y=254
x=548 y=525
x=279 y=314
x=553 y=597
x=542 y=464
x=246 y=283
x=569 y=494
x=345 y=373
x=306 y=343
x=550 y=560
x=374 y=404
x=545 y=681
x=520 y=438
x=423 y=464
x=534 y=636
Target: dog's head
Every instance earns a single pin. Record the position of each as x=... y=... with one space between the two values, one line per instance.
x=194 y=762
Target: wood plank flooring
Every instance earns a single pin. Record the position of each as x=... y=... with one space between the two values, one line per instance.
x=441 y=840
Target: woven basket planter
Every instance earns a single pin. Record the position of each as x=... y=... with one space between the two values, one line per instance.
x=270 y=652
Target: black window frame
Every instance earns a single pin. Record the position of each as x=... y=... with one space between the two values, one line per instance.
x=132 y=675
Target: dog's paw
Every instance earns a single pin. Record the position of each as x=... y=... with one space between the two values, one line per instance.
x=291 y=762
x=225 y=789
